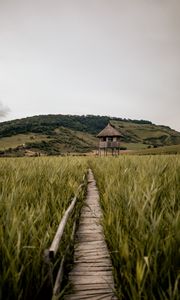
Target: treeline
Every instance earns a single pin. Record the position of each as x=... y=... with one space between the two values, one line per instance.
x=47 y=123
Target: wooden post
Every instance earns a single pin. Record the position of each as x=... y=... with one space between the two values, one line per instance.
x=57 y=285
x=55 y=244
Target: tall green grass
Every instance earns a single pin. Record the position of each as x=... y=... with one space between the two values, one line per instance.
x=34 y=194
x=140 y=197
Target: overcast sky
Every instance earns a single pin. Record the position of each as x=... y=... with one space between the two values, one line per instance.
x=107 y=57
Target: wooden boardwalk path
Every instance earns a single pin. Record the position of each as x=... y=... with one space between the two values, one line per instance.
x=91 y=276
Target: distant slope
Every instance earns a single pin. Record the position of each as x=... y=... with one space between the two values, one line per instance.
x=173 y=149
x=47 y=123
x=147 y=134
x=58 y=134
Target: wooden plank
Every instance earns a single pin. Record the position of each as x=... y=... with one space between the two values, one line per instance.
x=102 y=263
x=90 y=226
x=86 y=231
x=98 y=261
x=92 y=213
x=91 y=273
x=92 y=255
x=91 y=244
x=88 y=252
x=89 y=286
x=96 y=235
x=92 y=269
x=88 y=238
x=91 y=235
x=91 y=207
x=95 y=292
x=104 y=296
x=91 y=249
x=91 y=260
x=90 y=280
x=101 y=258
x=85 y=248
x=97 y=275
x=90 y=265
x=88 y=221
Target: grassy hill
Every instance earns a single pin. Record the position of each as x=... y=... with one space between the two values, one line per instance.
x=173 y=149
x=59 y=134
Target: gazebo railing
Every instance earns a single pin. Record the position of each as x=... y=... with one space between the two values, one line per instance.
x=108 y=144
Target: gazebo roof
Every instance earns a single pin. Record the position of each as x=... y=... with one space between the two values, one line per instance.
x=108 y=131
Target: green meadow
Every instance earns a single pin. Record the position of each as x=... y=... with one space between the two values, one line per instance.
x=140 y=198
x=34 y=194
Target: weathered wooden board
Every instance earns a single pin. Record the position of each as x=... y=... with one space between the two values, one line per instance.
x=89 y=226
x=99 y=263
x=90 y=235
x=91 y=252
x=89 y=287
x=95 y=292
x=91 y=248
x=91 y=276
x=91 y=268
x=91 y=260
x=90 y=279
x=85 y=247
x=91 y=273
x=94 y=247
x=92 y=297
x=90 y=230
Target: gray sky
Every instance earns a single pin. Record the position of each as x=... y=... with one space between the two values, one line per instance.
x=107 y=57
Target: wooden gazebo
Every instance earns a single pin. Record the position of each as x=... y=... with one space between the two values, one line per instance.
x=109 y=138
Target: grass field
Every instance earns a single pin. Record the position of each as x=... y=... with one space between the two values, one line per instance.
x=34 y=194
x=173 y=149
x=134 y=146
x=140 y=197
x=20 y=139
